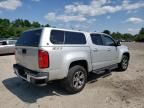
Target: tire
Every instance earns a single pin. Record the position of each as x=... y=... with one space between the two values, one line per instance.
x=123 y=65
x=76 y=79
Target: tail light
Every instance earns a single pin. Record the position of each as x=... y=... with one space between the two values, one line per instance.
x=43 y=59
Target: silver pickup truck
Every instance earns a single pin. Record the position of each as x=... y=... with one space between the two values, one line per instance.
x=7 y=46
x=47 y=54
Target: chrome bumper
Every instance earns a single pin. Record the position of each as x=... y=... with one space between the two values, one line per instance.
x=38 y=78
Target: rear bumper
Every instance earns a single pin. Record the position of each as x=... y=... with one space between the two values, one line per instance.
x=38 y=78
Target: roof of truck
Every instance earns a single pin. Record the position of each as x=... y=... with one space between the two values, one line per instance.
x=57 y=29
x=72 y=30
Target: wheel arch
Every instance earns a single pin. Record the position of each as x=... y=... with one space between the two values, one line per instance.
x=127 y=54
x=82 y=63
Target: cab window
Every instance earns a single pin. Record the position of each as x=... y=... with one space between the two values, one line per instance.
x=74 y=38
x=96 y=39
x=108 y=41
x=57 y=37
x=3 y=43
x=67 y=37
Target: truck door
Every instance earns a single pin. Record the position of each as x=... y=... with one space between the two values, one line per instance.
x=3 y=47
x=98 y=52
x=11 y=46
x=111 y=54
x=103 y=51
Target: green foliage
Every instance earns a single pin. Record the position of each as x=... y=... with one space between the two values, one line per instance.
x=140 y=37
x=126 y=36
x=47 y=25
x=107 y=32
x=141 y=31
x=36 y=24
x=15 y=28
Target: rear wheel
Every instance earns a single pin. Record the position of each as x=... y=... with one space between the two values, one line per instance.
x=123 y=65
x=76 y=79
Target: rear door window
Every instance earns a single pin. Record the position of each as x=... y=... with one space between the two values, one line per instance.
x=30 y=38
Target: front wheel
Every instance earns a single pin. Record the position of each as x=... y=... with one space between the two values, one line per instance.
x=123 y=65
x=76 y=79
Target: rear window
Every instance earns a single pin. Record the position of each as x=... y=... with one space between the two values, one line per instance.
x=29 y=38
x=65 y=37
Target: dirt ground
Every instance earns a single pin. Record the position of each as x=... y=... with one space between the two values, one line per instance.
x=116 y=90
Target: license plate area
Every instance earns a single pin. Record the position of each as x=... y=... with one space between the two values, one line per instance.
x=22 y=73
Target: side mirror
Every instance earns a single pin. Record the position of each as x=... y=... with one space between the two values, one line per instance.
x=118 y=43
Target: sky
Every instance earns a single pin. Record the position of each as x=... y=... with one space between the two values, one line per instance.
x=125 y=16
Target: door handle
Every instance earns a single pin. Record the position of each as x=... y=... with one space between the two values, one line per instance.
x=24 y=51
x=95 y=49
x=108 y=49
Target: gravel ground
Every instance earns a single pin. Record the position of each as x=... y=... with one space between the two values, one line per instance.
x=116 y=90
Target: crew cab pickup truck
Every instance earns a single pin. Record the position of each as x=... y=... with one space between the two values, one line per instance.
x=47 y=54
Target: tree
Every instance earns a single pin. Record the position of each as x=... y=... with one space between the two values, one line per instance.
x=140 y=36
x=11 y=31
x=36 y=24
x=15 y=28
x=141 y=31
x=117 y=35
x=4 y=23
x=27 y=23
x=107 y=32
x=47 y=25
x=18 y=23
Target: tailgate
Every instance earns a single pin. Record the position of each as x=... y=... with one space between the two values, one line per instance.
x=27 y=57
x=27 y=49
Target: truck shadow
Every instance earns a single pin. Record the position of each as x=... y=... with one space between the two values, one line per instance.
x=9 y=54
x=30 y=93
x=94 y=77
